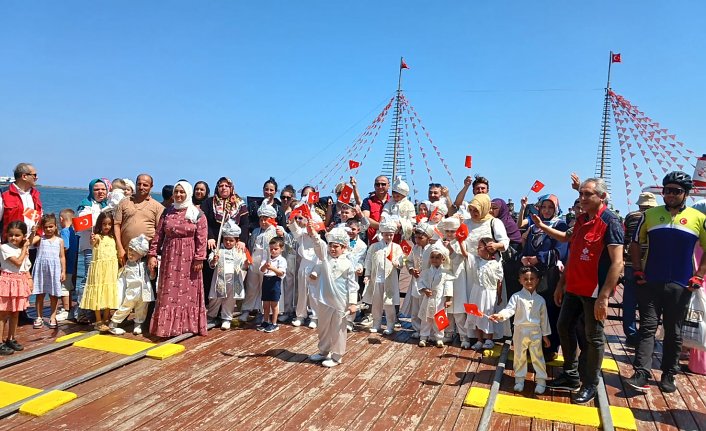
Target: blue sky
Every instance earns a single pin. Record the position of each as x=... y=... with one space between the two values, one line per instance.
x=252 y=89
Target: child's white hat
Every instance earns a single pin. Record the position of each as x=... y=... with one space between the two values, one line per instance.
x=440 y=207
x=266 y=210
x=400 y=187
x=338 y=235
x=130 y=184
x=388 y=226
x=139 y=245
x=451 y=223
x=231 y=229
x=439 y=247
x=425 y=228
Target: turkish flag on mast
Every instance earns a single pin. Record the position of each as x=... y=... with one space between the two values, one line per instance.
x=403 y=64
x=615 y=58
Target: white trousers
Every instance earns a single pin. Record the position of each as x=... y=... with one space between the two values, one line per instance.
x=457 y=324
x=429 y=330
x=414 y=303
x=253 y=290
x=303 y=298
x=131 y=300
x=226 y=305
x=378 y=308
x=528 y=338
x=332 y=332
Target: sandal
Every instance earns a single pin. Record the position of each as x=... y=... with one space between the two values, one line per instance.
x=38 y=323
x=53 y=325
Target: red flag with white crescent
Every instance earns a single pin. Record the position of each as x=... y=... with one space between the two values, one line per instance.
x=83 y=222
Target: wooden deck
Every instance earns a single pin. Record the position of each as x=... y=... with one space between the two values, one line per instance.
x=249 y=380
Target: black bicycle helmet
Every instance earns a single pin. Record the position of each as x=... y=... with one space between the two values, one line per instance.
x=679 y=177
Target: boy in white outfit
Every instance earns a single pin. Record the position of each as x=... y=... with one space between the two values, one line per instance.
x=229 y=265
x=400 y=209
x=134 y=283
x=461 y=282
x=260 y=250
x=417 y=261
x=435 y=287
x=382 y=288
x=307 y=255
x=357 y=249
x=335 y=292
x=531 y=329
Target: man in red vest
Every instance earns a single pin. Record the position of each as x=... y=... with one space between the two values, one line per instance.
x=18 y=197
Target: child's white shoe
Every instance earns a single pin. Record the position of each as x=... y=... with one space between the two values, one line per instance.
x=422 y=343
x=137 y=330
x=388 y=331
x=330 y=363
x=313 y=324
x=439 y=343
x=477 y=346
x=113 y=329
x=374 y=330
x=296 y=322
x=519 y=386
x=465 y=344
x=225 y=325
x=488 y=344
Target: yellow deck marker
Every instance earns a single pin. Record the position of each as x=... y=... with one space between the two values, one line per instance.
x=69 y=336
x=165 y=351
x=123 y=346
x=10 y=393
x=47 y=402
x=549 y=410
x=607 y=365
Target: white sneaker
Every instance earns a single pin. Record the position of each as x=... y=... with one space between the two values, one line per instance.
x=318 y=357
x=349 y=327
x=330 y=363
x=415 y=335
x=539 y=388
x=62 y=315
x=137 y=330
x=374 y=330
x=477 y=346
x=489 y=344
x=520 y=386
x=439 y=343
x=422 y=343
x=244 y=316
x=388 y=331
x=113 y=329
x=313 y=324
x=296 y=322
x=366 y=321
x=225 y=325
x=465 y=344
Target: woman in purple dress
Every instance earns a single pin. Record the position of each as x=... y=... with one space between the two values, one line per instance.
x=180 y=240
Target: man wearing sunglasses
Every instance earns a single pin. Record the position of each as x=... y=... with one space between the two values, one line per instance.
x=667 y=279
x=373 y=204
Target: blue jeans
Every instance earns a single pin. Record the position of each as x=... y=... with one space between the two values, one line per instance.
x=76 y=312
x=629 y=304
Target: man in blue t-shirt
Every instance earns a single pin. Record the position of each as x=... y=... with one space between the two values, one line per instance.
x=71 y=253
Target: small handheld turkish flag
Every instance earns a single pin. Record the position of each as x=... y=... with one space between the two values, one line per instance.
x=473 y=309
x=441 y=319
x=406 y=247
x=462 y=232
x=346 y=193
x=248 y=256
x=469 y=161
x=319 y=226
x=313 y=198
x=83 y=222
x=272 y=221
x=537 y=186
x=353 y=164
x=615 y=58
x=31 y=214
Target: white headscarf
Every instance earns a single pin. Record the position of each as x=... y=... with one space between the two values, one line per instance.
x=192 y=213
x=130 y=184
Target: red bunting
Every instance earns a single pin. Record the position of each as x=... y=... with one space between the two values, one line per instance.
x=352 y=164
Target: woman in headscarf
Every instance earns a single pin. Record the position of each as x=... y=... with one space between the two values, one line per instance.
x=511 y=256
x=92 y=204
x=224 y=204
x=482 y=224
x=201 y=192
x=547 y=255
x=180 y=239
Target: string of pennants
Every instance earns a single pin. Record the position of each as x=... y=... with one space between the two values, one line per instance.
x=645 y=146
x=349 y=161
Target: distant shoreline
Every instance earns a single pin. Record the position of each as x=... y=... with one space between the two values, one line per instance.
x=61 y=187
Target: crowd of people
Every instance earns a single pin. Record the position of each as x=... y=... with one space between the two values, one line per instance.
x=334 y=264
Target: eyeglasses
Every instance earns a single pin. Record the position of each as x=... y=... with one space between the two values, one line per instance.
x=31 y=174
x=672 y=191
x=380 y=184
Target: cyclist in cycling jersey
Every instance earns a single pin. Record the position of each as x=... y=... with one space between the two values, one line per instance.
x=664 y=286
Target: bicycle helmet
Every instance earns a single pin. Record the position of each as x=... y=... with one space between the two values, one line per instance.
x=679 y=177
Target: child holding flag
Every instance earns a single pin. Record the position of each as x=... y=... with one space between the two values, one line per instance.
x=435 y=287
x=382 y=281
x=486 y=282
x=417 y=261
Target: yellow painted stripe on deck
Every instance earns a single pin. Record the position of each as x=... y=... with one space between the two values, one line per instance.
x=106 y=343
x=165 y=351
x=10 y=393
x=69 y=336
x=549 y=410
x=47 y=402
x=608 y=364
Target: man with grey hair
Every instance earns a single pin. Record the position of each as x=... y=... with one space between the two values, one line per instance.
x=592 y=271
